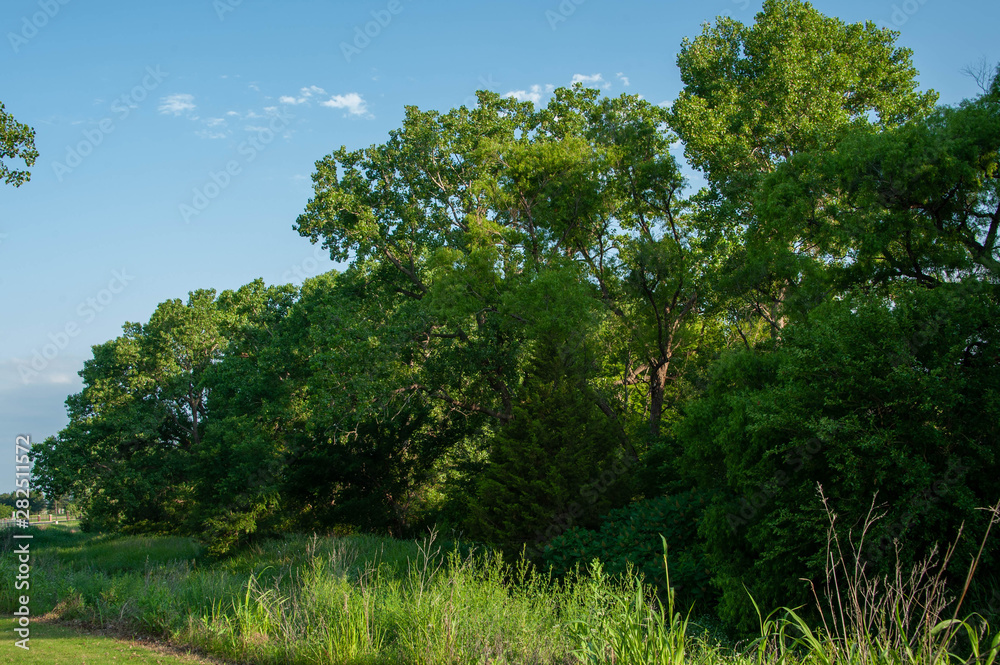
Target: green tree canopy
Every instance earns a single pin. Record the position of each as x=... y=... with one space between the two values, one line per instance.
x=473 y=216
x=754 y=97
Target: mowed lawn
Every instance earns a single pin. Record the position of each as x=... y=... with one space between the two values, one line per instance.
x=52 y=644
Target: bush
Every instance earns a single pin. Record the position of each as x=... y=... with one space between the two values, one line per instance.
x=629 y=538
x=896 y=397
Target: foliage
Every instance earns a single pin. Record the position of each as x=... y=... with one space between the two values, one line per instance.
x=537 y=329
x=916 y=203
x=756 y=97
x=17 y=141
x=546 y=465
x=629 y=540
x=505 y=223
x=870 y=396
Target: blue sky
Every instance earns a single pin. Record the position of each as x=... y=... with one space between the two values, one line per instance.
x=177 y=139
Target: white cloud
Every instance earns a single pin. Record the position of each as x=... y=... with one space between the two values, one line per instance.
x=624 y=79
x=534 y=96
x=177 y=104
x=352 y=101
x=305 y=95
x=583 y=78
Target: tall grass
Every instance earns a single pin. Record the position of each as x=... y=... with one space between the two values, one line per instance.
x=871 y=620
x=366 y=599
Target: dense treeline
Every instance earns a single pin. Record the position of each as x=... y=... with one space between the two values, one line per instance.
x=542 y=342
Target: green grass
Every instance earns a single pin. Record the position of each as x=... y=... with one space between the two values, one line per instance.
x=61 y=645
x=366 y=599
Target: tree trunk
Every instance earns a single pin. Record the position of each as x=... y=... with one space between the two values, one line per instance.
x=657 y=384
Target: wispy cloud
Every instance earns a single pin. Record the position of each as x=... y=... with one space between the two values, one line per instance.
x=215 y=128
x=624 y=79
x=177 y=104
x=353 y=102
x=305 y=94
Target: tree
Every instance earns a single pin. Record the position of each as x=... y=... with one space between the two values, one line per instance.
x=17 y=141
x=133 y=429
x=547 y=466
x=114 y=456
x=917 y=203
x=466 y=214
x=869 y=395
x=354 y=453
x=756 y=96
x=238 y=464
x=794 y=81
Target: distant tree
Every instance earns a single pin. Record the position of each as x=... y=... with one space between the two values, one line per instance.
x=36 y=502
x=17 y=141
x=135 y=426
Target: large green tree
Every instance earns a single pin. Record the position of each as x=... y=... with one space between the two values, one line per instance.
x=472 y=217
x=134 y=428
x=756 y=96
x=919 y=203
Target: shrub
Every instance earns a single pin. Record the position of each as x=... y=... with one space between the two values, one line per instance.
x=629 y=538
